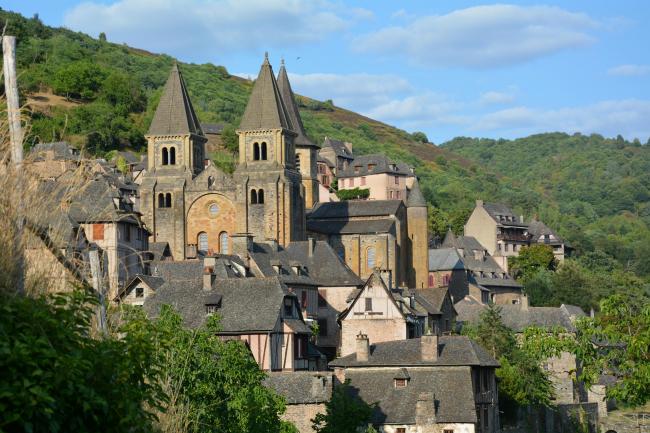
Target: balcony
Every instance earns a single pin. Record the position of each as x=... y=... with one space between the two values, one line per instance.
x=513 y=237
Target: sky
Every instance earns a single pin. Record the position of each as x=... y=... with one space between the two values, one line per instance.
x=447 y=68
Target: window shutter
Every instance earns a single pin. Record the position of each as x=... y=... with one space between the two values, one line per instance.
x=98 y=232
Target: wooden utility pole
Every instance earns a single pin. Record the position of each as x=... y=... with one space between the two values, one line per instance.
x=98 y=285
x=16 y=137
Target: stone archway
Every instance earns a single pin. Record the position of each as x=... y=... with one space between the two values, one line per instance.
x=212 y=214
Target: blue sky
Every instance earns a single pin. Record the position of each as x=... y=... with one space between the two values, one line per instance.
x=447 y=68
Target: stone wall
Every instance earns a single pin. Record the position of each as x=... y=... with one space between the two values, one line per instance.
x=302 y=414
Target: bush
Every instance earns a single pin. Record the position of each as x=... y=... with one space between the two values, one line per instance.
x=353 y=194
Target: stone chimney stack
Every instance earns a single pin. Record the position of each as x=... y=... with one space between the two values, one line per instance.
x=524 y=302
x=363 y=347
x=311 y=245
x=425 y=410
x=273 y=243
x=208 y=278
x=521 y=218
x=429 y=347
x=242 y=244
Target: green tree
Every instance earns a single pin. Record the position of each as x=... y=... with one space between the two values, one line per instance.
x=420 y=137
x=102 y=37
x=617 y=342
x=56 y=377
x=230 y=139
x=119 y=91
x=78 y=80
x=531 y=259
x=344 y=413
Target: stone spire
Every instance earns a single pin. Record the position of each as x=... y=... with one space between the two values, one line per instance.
x=175 y=114
x=292 y=108
x=415 y=198
x=265 y=109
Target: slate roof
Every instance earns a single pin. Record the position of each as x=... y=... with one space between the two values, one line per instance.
x=151 y=281
x=130 y=157
x=175 y=114
x=159 y=250
x=538 y=229
x=454 y=350
x=301 y=387
x=338 y=147
x=499 y=209
x=452 y=389
x=433 y=296
x=382 y=164
x=265 y=257
x=171 y=270
x=247 y=304
x=445 y=259
x=324 y=265
x=265 y=109
x=354 y=208
x=517 y=317
x=62 y=150
x=415 y=196
x=384 y=225
x=292 y=109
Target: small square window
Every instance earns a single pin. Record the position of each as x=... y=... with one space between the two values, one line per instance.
x=210 y=309
x=139 y=292
x=368 y=304
x=400 y=430
x=400 y=383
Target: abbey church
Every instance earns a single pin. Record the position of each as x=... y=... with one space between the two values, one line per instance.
x=196 y=208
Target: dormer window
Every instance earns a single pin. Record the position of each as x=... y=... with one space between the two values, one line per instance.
x=357 y=169
x=277 y=269
x=371 y=167
x=288 y=307
x=296 y=269
x=210 y=309
x=139 y=292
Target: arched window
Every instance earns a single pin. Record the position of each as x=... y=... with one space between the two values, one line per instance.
x=165 y=156
x=168 y=200
x=223 y=243
x=161 y=200
x=370 y=258
x=256 y=151
x=203 y=242
x=260 y=196
x=253 y=196
x=172 y=156
x=263 y=153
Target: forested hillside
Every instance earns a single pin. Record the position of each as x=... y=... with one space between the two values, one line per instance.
x=594 y=191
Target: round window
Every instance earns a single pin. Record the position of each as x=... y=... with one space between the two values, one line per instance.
x=213 y=209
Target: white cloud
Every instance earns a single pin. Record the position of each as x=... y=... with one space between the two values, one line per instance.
x=196 y=26
x=420 y=110
x=627 y=117
x=357 y=91
x=495 y=98
x=630 y=70
x=483 y=36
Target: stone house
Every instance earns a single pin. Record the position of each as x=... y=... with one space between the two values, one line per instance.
x=338 y=154
x=262 y=312
x=440 y=309
x=428 y=384
x=540 y=233
x=305 y=394
x=385 y=179
x=464 y=266
x=325 y=179
x=498 y=229
x=138 y=289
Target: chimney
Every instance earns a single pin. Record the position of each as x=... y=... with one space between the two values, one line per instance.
x=208 y=278
x=429 y=347
x=348 y=146
x=425 y=409
x=311 y=244
x=521 y=218
x=524 y=302
x=479 y=203
x=273 y=243
x=242 y=244
x=387 y=278
x=363 y=347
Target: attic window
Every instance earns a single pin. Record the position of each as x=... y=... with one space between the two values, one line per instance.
x=277 y=269
x=401 y=383
x=357 y=169
x=296 y=270
x=371 y=167
x=210 y=308
x=139 y=292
